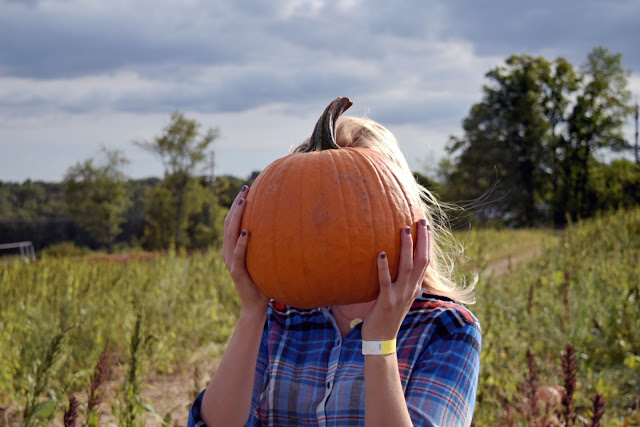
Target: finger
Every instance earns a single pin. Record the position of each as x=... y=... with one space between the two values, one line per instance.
x=429 y=243
x=405 y=266
x=241 y=194
x=239 y=255
x=228 y=246
x=384 y=277
x=231 y=230
x=420 y=257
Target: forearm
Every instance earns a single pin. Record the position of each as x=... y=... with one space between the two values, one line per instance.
x=385 y=404
x=227 y=400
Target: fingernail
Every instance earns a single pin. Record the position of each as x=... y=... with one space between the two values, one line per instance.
x=383 y=255
x=407 y=230
x=244 y=233
x=428 y=228
x=244 y=188
x=240 y=201
x=423 y=222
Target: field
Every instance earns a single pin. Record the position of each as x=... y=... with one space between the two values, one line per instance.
x=159 y=324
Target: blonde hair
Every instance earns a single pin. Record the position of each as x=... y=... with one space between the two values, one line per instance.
x=439 y=278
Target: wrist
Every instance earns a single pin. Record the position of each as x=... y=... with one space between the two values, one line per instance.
x=254 y=314
x=378 y=335
x=378 y=348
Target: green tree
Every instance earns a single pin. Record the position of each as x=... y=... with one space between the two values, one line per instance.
x=504 y=139
x=182 y=150
x=615 y=185
x=561 y=88
x=205 y=217
x=594 y=122
x=31 y=200
x=531 y=139
x=227 y=188
x=96 y=196
x=159 y=219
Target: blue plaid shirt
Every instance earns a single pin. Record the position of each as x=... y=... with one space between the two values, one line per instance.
x=307 y=374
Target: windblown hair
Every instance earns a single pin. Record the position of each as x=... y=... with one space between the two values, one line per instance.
x=439 y=278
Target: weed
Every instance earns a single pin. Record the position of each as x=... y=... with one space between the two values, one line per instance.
x=101 y=373
x=45 y=369
x=71 y=414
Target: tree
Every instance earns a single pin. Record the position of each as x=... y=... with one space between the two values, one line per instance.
x=615 y=185
x=206 y=217
x=594 y=122
x=96 y=196
x=504 y=139
x=227 y=188
x=159 y=219
x=535 y=133
x=182 y=149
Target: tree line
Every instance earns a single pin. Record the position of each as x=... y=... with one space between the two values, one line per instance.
x=98 y=206
x=531 y=154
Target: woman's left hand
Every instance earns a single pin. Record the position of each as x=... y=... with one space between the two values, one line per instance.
x=395 y=298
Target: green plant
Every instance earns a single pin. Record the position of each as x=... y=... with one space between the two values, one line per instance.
x=101 y=373
x=582 y=291
x=133 y=404
x=63 y=249
x=35 y=410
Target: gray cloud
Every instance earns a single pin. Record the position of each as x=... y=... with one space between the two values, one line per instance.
x=570 y=28
x=415 y=65
x=276 y=37
x=42 y=47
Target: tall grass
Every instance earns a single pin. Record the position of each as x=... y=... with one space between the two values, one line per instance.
x=188 y=304
x=583 y=291
x=169 y=313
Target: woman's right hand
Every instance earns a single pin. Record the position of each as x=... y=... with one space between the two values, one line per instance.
x=234 y=249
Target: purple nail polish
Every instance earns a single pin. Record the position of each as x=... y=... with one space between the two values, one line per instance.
x=423 y=222
x=383 y=255
x=240 y=202
x=244 y=233
x=428 y=227
x=244 y=188
x=407 y=230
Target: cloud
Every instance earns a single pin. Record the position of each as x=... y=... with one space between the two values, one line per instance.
x=570 y=28
x=417 y=66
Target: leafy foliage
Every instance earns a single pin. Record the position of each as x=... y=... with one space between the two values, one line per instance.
x=96 y=196
x=188 y=306
x=583 y=291
x=182 y=151
x=531 y=141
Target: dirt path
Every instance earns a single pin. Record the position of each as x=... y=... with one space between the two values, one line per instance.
x=168 y=394
x=504 y=265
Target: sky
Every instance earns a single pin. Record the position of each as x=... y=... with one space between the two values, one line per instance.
x=76 y=76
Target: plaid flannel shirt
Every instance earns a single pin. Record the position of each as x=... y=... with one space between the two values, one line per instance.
x=307 y=374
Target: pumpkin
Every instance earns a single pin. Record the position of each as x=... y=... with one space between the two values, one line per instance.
x=318 y=219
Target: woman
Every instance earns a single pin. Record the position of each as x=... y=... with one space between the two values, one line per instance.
x=411 y=357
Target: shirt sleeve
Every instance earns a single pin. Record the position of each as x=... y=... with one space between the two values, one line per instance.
x=195 y=420
x=194 y=413
x=261 y=379
x=443 y=385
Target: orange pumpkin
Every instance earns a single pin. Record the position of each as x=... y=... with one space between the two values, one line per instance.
x=318 y=219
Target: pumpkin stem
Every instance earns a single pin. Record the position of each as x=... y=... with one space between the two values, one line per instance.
x=324 y=134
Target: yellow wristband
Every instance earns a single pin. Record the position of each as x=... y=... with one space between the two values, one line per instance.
x=378 y=347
